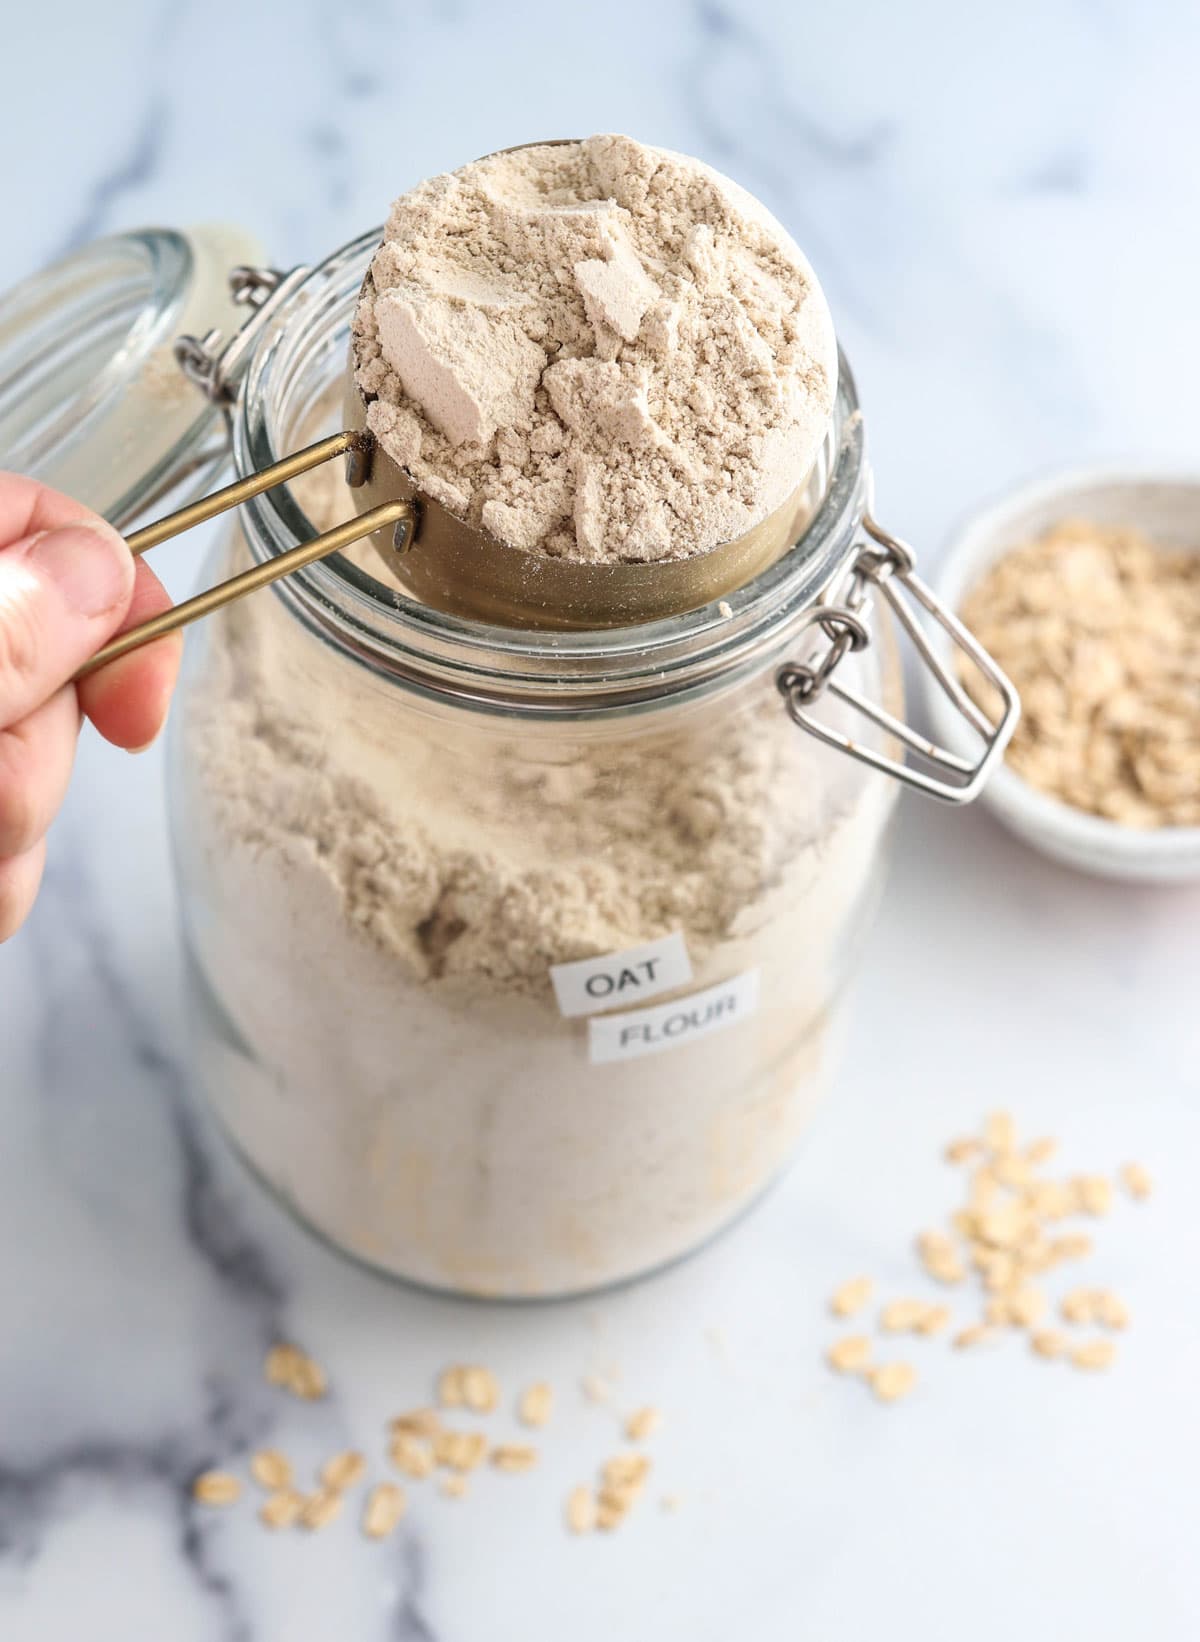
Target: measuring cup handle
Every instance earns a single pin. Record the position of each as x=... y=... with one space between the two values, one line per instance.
x=401 y=515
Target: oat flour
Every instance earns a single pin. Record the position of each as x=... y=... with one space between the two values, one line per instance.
x=598 y=350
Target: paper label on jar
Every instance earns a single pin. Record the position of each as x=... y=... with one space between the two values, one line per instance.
x=668 y=1025
x=622 y=977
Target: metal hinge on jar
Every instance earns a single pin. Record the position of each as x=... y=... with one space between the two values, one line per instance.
x=886 y=565
x=214 y=362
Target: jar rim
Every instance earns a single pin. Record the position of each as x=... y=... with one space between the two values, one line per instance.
x=491 y=665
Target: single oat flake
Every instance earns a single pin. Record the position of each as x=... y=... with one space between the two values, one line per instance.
x=481 y=1390
x=384 y=1507
x=460 y=1450
x=891 y=1381
x=513 y=1456
x=581 y=1510
x=271 y=1469
x=898 y=1316
x=320 y=1509
x=1048 y=1343
x=281 y=1509
x=412 y=1455
x=536 y=1405
x=975 y=1334
x=295 y=1371
x=1093 y=1354
x=849 y=1354
x=216 y=1488
x=418 y=1422
x=1136 y=1180
x=851 y=1296
x=643 y=1423
x=343 y=1470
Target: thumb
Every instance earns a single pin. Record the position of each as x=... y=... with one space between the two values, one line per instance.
x=63 y=592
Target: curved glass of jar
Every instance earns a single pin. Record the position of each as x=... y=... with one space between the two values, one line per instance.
x=390 y=826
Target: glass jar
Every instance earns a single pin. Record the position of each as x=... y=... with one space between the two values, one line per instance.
x=396 y=829
x=516 y=960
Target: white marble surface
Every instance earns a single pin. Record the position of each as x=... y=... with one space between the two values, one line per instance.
x=1002 y=204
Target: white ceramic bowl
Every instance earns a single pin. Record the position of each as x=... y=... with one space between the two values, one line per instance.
x=1168 y=510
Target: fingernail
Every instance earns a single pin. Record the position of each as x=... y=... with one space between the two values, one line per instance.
x=89 y=564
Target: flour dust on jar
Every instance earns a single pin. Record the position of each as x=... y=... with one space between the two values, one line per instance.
x=519 y=908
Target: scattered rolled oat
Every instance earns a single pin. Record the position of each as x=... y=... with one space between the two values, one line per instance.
x=963 y=1151
x=481 y=1391
x=1093 y=1354
x=384 y=1507
x=1079 y=1306
x=643 y=1423
x=271 y=1469
x=1136 y=1180
x=536 y=1405
x=1040 y=1151
x=1048 y=1342
x=933 y=1320
x=901 y=1315
x=460 y=1450
x=945 y=1268
x=581 y=1510
x=216 y=1488
x=1011 y=1170
x=342 y=1471
x=628 y=1470
x=1025 y=1305
x=453 y=1487
x=851 y=1296
x=1000 y=1132
x=419 y=1422
x=1004 y=1235
x=1074 y=1247
x=595 y=1389
x=320 y=1508
x=1094 y=1193
x=294 y=1370
x=891 y=1381
x=281 y=1509
x=279 y=1364
x=514 y=1456
x=622 y=1482
x=465 y=1385
x=411 y=1454
x=450 y=1392
x=1110 y=1310
x=849 y=1354
x=975 y=1334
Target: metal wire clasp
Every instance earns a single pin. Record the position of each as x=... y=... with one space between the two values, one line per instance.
x=215 y=363
x=888 y=567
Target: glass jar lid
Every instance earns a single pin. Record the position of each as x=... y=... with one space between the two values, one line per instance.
x=92 y=400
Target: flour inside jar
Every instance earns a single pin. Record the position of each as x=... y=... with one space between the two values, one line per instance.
x=385 y=864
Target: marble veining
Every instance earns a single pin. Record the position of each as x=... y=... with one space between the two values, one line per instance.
x=1003 y=211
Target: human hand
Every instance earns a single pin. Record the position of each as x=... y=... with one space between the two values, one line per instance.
x=68 y=583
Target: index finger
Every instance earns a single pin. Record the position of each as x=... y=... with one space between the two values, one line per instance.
x=28 y=506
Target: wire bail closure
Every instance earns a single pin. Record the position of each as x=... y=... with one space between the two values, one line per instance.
x=889 y=567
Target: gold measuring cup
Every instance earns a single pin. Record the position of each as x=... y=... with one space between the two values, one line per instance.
x=457 y=568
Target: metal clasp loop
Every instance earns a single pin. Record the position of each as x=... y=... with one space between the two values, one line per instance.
x=887 y=566
x=215 y=363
